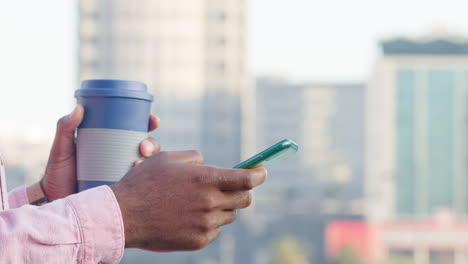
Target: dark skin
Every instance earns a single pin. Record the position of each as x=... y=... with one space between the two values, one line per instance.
x=170 y=201
x=59 y=180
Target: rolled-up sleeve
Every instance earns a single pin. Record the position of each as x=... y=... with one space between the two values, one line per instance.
x=83 y=228
x=18 y=197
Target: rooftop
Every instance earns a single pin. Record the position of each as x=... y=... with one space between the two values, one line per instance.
x=435 y=45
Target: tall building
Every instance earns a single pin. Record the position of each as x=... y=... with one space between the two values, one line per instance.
x=324 y=180
x=327 y=121
x=417 y=147
x=192 y=55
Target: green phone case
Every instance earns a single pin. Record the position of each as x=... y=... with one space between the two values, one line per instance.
x=281 y=149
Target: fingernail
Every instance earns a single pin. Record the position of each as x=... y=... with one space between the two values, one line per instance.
x=148 y=146
x=73 y=112
x=262 y=173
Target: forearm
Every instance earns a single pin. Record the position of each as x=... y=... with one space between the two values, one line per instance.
x=83 y=228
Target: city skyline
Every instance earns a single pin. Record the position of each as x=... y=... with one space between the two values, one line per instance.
x=380 y=118
x=320 y=55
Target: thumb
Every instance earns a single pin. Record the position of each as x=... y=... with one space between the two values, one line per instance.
x=64 y=144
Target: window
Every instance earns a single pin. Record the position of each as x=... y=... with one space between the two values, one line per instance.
x=405 y=175
x=440 y=131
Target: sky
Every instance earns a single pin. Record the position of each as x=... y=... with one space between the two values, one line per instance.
x=304 y=40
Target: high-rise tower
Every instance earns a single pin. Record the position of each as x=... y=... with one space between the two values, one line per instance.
x=192 y=54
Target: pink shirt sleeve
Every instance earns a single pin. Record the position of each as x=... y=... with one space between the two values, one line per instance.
x=18 y=197
x=83 y=228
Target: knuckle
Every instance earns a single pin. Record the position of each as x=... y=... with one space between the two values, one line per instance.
x=199 y=178
x=247 y=182
x=208 y=203
x=206 y=224
x=247 y=201
x=206 y=174
x=199 y=242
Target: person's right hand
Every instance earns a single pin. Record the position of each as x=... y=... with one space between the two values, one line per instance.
x=173 y=202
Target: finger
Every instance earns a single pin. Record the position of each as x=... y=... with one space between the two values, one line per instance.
x=236 y=200
x=67 y=124
x=138 y=162
x=204 y=238
x=149 y=147
x=228 y=217
x=213 y=234
x=154 y=123
x=188 y=156
x=218 y=218
x=63 y=145
x=238 y=179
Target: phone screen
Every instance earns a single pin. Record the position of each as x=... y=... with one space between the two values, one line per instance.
x=273 y=154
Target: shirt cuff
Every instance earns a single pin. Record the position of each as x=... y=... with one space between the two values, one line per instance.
x=101 y=225
x=18 y=197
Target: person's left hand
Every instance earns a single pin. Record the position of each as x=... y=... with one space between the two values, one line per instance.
x=59 y=180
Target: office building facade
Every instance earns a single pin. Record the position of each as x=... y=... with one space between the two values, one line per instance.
x=192 y=55
x=327 y=121
x=416 y=169
x=417 y=148
x=323 y=181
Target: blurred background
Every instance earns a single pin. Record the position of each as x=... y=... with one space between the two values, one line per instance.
x=375 y=92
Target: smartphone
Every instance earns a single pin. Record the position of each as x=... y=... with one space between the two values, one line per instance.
x=280 y=150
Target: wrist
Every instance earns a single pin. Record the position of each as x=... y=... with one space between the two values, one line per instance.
x=99 y=220
x=128 y=222
x=36 y=194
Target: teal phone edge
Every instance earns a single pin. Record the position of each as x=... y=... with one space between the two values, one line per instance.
x=267 y=154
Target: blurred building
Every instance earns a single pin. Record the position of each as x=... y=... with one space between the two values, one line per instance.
x=192 y=54
x=25 y=160
x=417 y=142
x=439 y=240
x=324 y=180
x=356 y=237
x=327 y=121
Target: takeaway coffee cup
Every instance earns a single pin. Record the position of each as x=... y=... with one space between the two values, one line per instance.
x=115 y=122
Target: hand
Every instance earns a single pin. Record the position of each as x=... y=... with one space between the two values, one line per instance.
x=59 y=180
x=172 y=202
